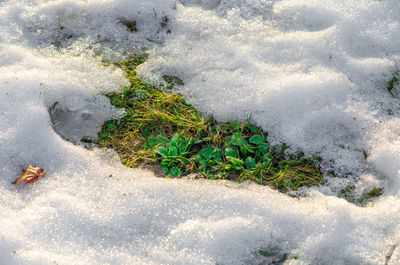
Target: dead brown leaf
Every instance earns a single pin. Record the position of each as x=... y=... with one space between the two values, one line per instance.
x=31 y=175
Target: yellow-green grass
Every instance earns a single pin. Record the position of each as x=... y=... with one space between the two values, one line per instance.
x=161 y=131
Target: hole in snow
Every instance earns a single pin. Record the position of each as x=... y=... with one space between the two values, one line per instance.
x=78 y=119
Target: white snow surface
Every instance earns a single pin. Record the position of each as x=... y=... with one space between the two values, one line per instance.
x=312 y=73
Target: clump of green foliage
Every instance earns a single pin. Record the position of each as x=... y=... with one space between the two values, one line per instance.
x=161 y=129
x=367 y=196
x=274 y=255
x=131 y=25
x=375 y=192
x=392 y=84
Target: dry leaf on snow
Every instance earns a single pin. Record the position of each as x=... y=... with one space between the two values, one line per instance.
x=31 y=175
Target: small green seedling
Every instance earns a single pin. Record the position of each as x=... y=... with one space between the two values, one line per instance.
x=105 y=60
x=52 y=108
x=173 y=153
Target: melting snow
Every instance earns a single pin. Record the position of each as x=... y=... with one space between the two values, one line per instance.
x=312 y=73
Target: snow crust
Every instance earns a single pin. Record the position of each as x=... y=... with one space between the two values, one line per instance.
x=312 y=73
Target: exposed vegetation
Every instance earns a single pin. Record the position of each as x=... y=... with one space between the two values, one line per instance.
x=348 y=193
x=375 y=192
x=393 y=84
x=275 y=256
x=131 y=25
x=160 y=130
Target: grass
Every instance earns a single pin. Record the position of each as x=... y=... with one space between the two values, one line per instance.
x=392 y=84
x=375 y=192
x=161 y=131
x=367 y=196
x=274 y=255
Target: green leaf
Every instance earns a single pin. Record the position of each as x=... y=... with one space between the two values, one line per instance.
x=187 y=144
x=250 y=162
x=245 y=147
x=263 y=148
x=229 y=167
x=240 y=142
x=231 y=152
x=165 y=164
x=110 y=127
x=260 y=142
x=175 y=138
x=174 y=172
x=162 y=152
x=257 y=139
x=235 y=161
x=172 y=145
x=235 y=139
x=267 y=159
x=261 y=165
x=209 y=155
x=267 y=253
x=145 y=132
x=181 y=144
x=173 y=151
x=207 y=152
x=217 y=156
x=154 y=141
x=253 y=128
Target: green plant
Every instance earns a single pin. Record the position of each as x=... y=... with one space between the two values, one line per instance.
x=174 y=153
x=392 y=84
x=129 y=24
x=172 y=81
x=347 y=193
x=274 y=255
x=105 y=60
x=375 y=192
x=160 y=128
x=361 y=200
x=52 y=108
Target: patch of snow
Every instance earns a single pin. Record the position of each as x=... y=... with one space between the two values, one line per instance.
x=312 y=73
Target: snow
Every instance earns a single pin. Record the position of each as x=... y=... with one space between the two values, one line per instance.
x=311 y=73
